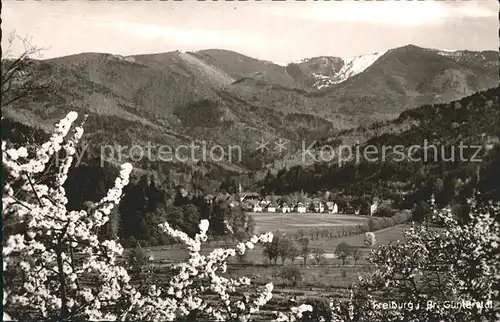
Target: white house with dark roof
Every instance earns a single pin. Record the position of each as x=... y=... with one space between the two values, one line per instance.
x=285 y=208
x=272 y=207
x=300 y=207
x=249 y=195
x=320 y=207
x=332 y=207
x=256 y=207
x=373 y=208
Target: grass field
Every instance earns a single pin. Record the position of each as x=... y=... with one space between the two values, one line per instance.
x=383 y=237
x=391 y=234
x=294 y=221
x=329 y=279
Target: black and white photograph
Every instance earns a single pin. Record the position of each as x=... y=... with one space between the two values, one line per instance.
x=250 y=161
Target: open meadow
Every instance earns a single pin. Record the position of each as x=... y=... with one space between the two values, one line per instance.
x=292 y=222
x=330 y=278
x=173 y=253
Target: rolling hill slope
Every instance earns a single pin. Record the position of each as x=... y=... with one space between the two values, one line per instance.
x=226 y=98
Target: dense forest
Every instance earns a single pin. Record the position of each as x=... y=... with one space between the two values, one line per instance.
x=147 y=201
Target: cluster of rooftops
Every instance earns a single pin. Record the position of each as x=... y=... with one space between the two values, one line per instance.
x=255 y=202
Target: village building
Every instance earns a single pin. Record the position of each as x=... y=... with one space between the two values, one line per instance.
x=285 y=208
x=232 y=200
x=311 y=206
x=272 y=207
x=332 y=207
x=256 y=207
x=249 y=196
x=317 y=206
x=373 y=208
x=300 y=208
x=209 y=198
x=264 y=203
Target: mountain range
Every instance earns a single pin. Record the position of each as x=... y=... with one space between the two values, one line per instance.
x=227 y=98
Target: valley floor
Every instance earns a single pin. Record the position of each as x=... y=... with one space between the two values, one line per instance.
x=328 y=280
x=331 y=278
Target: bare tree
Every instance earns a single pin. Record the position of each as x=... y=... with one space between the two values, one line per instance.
x=285 y=249
x=271 y=250
x=356 y=254
x=18 y=71
x=294 y=252
x=319 y=255
x=305 y=249
x=343 y=251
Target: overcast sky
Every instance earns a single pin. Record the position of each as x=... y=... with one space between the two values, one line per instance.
x=277 y=31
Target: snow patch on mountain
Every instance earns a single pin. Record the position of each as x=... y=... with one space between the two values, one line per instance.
x=129 y=59
x=465 y=55
x=448 y=52
x=351 y=66
x=279 y=63
x=356 y=65
x=300 y=61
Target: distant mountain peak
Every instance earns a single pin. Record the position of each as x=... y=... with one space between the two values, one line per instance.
x=409 y=47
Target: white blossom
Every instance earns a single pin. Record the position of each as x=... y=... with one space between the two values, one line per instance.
x=45 y=254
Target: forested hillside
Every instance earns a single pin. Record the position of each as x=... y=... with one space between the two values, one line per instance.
x=473 y=120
